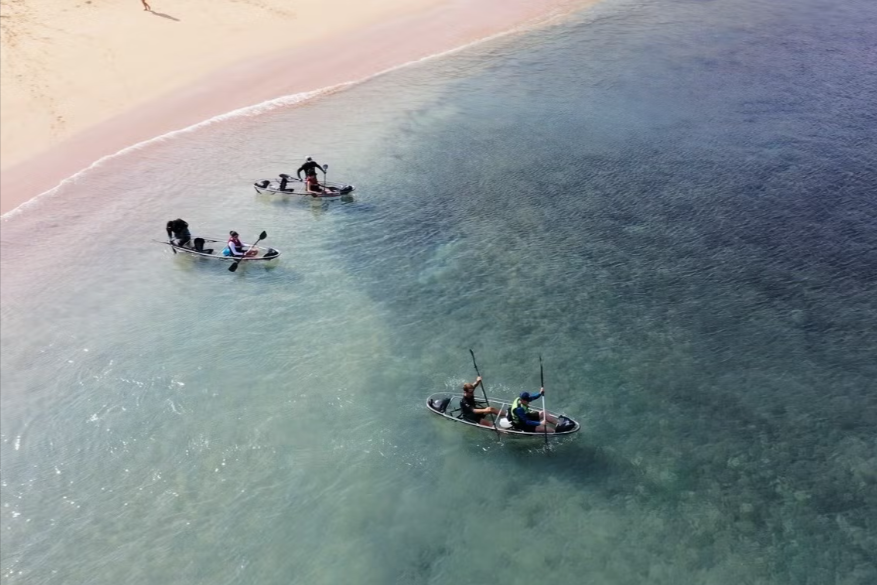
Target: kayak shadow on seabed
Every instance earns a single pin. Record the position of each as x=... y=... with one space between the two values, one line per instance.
x=270 y=274
x=188 y=262
x=571 y=459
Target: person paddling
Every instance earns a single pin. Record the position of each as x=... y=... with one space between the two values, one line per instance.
x=313 y=186
x=179 y=229
x=310 y=167
x=524 y=419
x=236 y=248
x=470 y=410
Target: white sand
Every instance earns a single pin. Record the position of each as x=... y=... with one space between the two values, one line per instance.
x=81 y=79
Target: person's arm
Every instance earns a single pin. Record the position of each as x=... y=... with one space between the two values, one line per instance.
x=234 y=249
x=537 y=395
x=481 y=406
x=298 y=172
x=170 y=234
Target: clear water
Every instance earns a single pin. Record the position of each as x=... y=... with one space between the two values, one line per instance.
x=672 y=202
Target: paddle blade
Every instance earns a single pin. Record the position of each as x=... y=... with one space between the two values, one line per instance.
x=234 y=266
x=263 y=235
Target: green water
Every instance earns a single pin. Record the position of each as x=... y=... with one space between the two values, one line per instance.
x=685 y=236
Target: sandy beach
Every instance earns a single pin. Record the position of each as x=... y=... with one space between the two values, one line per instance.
x=82 y=81
x=662 y=213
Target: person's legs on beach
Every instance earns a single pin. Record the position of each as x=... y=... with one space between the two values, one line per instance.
x=146 y=5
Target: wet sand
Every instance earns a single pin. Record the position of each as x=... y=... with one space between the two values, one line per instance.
x=118 y=86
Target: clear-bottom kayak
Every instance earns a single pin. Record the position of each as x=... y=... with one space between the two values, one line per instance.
x=447 y=405
x=287 y=185
x=213 y=248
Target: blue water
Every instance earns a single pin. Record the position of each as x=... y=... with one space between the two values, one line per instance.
x=671 y=202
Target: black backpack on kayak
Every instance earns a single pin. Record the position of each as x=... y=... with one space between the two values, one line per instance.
x=564 y=425
x=199 y=246
x=440 y=405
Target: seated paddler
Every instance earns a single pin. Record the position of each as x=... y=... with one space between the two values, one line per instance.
x=471 y=410
x=524 y=419
x=313 y=186
x=235 y=248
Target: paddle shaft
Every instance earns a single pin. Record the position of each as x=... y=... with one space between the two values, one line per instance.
x=483 y=391
x=544 y=409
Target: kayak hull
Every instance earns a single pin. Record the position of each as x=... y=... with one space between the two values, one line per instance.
x=297 y=187
x=213 y=247
x=502 y=426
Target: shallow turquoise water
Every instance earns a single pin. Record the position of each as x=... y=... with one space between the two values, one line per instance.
x=671 y=202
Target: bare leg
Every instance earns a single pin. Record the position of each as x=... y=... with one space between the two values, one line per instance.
x=146 y=5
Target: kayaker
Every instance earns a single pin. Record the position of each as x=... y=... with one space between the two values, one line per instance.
x=179 y=229
x=310 y=167
x=470 y=409
x=524 y=419
x=235 y=247
x=312 y=186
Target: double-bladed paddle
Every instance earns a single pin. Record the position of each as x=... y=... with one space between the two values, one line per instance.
x=234 y=265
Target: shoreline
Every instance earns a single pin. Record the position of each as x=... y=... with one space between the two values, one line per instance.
x=264 y=81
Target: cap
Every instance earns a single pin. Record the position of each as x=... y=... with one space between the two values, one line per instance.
x=525 y=396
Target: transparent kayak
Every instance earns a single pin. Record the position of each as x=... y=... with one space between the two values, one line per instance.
x=213 y=247
x=286 y=185
x=447 y=406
